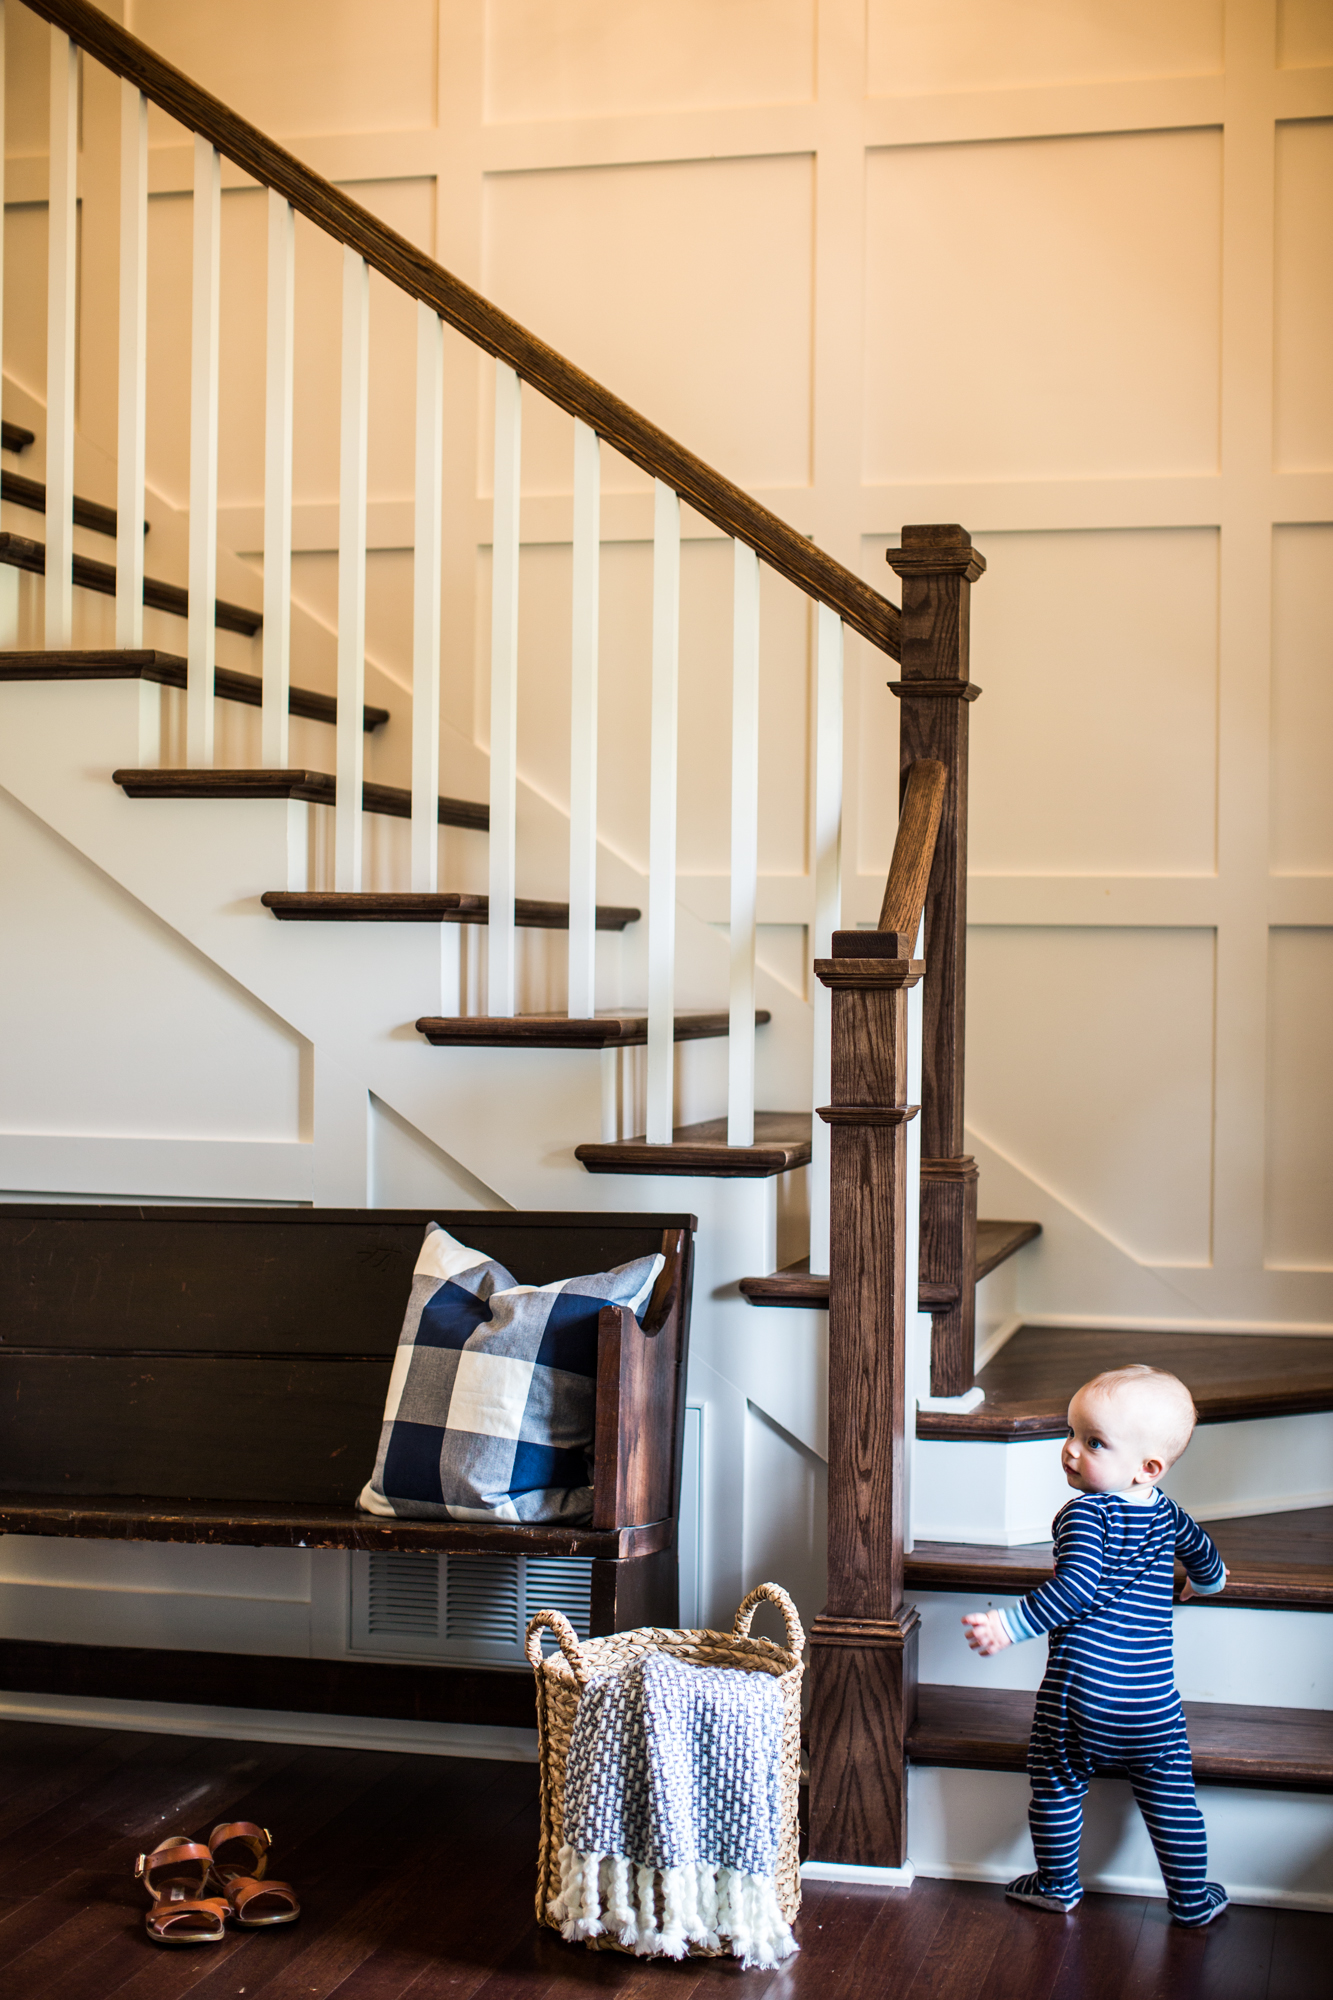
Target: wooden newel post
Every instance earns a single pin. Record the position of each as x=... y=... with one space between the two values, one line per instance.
x=938 y=567
x=863 y=1646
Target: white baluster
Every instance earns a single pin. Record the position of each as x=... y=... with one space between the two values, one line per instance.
x=61 y=335
x=352 y=571
x=500 y=979
x=133 y=365
x=587 y=552
x=662 y=816
x=278 y=480
x=204 y=314
x=744 y=844
x=827 y=860
x=426 y=603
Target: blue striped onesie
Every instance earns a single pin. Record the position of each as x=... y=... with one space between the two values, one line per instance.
x=1108 y=1701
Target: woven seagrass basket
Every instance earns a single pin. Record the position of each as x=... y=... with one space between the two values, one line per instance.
x=562 y=1678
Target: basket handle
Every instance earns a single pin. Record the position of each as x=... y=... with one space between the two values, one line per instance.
x=567 y=1638
x=790 y=1616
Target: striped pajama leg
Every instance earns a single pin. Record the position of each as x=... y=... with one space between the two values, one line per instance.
x=1055 y=1817
x=1165 y=1794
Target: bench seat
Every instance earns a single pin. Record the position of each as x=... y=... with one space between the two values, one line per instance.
x=223 y=1524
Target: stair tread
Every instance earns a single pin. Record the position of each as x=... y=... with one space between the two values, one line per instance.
x=31 y=493
x=613 y=1030
x=21 y=552
x=318 y=787
x=997 y=1241
x=449 y=906
x=781 y=1141
x=1276 y=1561
x=987 y=1729
x=16 y=437
x=168 y=670
x=795 y=1285
x=1230 y=1375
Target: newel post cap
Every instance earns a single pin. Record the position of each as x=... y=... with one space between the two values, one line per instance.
x=940 y=548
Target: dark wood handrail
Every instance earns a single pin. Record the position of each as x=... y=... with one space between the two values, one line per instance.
x=914 y=850
x=726 y=505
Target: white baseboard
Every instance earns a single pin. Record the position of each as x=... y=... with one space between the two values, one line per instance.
x=850 y=1871
x=1291 y=1503
x=268 y=1725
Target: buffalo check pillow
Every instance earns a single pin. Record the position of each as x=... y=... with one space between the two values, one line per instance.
x=490 y=1410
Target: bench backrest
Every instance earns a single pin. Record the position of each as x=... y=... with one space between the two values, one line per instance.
x=239 y=1353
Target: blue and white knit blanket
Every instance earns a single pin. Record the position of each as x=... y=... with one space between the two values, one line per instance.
x=673 y=1816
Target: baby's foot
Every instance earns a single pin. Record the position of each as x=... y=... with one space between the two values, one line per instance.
x=1028 y=1889
x=1211 y=1903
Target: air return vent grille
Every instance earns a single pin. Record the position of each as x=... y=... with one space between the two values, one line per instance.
x=462 y=1607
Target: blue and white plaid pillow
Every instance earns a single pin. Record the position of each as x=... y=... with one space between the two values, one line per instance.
x=491 y=1404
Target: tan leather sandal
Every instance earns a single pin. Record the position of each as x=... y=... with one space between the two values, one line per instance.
x=175 y=1875
x=239 y=1852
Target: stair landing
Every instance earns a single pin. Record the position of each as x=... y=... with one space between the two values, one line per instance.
x=1230 y=1375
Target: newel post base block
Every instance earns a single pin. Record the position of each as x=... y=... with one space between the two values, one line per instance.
x=862 y=1704
x=949 y=1257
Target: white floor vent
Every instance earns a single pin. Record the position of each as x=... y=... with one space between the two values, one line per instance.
x=462 y=1607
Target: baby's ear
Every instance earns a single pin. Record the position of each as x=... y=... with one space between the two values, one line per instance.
x=1152 y=1469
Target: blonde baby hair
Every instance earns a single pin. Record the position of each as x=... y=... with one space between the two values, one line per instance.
x=1163 y=1406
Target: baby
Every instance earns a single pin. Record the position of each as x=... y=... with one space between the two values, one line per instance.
x=1108 y=1700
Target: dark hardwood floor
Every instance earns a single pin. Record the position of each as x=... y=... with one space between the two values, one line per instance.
x=416 y=1878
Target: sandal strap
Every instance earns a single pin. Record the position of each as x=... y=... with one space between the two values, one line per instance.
x=173 y=1853
x=243 y=1888
x=243 y=1831
x=239 y=1829
x=165 y=1916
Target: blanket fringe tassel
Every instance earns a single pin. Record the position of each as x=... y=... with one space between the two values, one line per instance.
x=608 y=1895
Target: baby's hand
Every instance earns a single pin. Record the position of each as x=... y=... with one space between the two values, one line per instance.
x=1187 y=1589
x=985 y=1632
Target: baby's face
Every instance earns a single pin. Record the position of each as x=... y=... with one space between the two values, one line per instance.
x=1104 y=1452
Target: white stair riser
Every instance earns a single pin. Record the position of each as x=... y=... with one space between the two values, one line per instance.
x=1008 y=1494
x=1224 y=1652
x=1265 y=1847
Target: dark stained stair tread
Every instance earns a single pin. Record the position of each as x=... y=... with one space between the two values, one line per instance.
x=794 y=1285
x=450 y=906
x=14 y=437
x=1231 y=1376
x=781 y=1141
x=31 y=493
x=21 y=553
x=169 y=670
x=237 y=1524
x=997 y=1241
x=559 y=1031
x=1277 y=1562
x=318 y=787
x=981 y=1729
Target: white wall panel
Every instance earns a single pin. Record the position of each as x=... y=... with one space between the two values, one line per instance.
x=1303 y=296
x=1031 y=345
x=628 y=267
x=917 y=45
x=1089 y=1060
x=786 y=1517
x=1301 y=792
x=347 y=66
x=1304 y=33
x=27 y=54
x=407 y=1170
x=123 y=1028
x=1299 y=1217
x=581 y=58
x=1094 y=745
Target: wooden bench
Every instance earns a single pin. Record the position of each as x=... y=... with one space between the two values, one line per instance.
x=218 y=1375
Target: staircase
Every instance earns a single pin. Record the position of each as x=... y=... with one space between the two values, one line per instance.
x=943 y=1401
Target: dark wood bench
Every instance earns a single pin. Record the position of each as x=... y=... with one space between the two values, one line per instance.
x=218 y=1375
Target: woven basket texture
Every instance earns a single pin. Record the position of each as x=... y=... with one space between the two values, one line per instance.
x=562 y=1678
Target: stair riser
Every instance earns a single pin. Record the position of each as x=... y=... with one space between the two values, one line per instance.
x=1267 y=1847
x=1224 y=1652
x=1007 y=1494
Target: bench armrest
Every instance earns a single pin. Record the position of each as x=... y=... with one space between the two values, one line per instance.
x=639 y=1394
